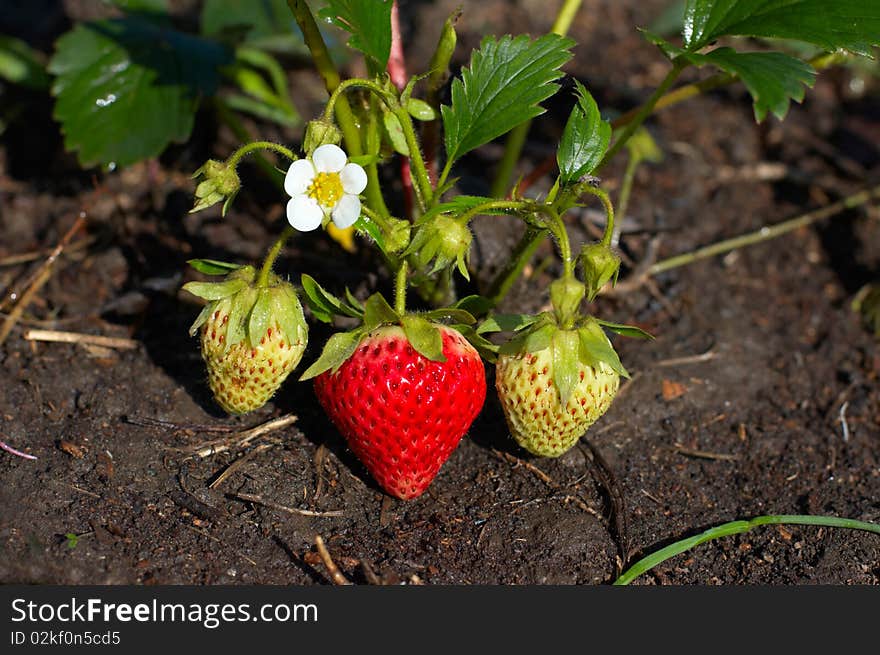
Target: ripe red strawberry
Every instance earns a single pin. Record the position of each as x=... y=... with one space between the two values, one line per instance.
x=401 y=413
x=537 y=419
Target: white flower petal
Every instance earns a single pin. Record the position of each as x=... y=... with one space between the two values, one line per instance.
x=304 y=213
x=329 y=158
x=353 y=178
x=299 y=177
x=346 y=211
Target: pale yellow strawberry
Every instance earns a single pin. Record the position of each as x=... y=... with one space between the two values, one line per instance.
x=531 y=402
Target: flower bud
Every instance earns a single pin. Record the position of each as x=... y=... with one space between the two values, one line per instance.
x=600 y=265
x=320 y=132
x=219 y=181
x=443 y=240
x=566 y=295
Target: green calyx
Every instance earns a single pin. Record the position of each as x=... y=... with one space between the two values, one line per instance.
x=320 y=132
x=251 y=308
x=444 y=241
x=600 y=265
x=218 y=181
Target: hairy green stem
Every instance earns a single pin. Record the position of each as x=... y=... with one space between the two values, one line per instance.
x=643 y=112
x=272 y=255
x=422 y=186
x=765 y=233
x=609 y=210
x=737 y=527
x=517 y=138
x=228 y=117
x=260 y=145
x=400 y=288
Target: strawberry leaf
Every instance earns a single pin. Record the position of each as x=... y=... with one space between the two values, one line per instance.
x=584 y=139
x=625 y=330
x=338 y=348
x=377 y=312
x=126 y=88
x=424 y=336
x=212 y=266
x=595 y=348
x=506 y=81
x=565 y=346
x=368 y=22
x=325 y=305
x=852 y=25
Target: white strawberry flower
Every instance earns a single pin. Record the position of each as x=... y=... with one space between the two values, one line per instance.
x=326 y=185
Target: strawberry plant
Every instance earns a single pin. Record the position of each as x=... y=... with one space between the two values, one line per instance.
x=404 y=385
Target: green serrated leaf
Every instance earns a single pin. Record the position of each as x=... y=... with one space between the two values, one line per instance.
x=565 y=358
x=338 y=348
x=595 y=347
x=126 y=88
x=625 y=330
x=772 y=78
x=203 y=316
x=507 y=323
x=212 y=266
x=424 y=336
x=215 y=290
x=378 y=312
x=258 y=322
x=584 y=139
x=852 y=25
x=502 y=87
x=368 y=22
x=364 y=224
x=450 y=313
x=21 y=64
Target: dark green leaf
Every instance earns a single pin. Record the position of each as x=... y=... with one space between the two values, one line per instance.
x=474 y=305
x=450 y=313
x=772 y=78
x=506 y=322
x=830 y=24
x=338 y=348
x=378 y=312
x=325 y=302
x=424 y=336
x=566 y=360
x=140 y=6
x=625 y=330
x=368 y=22
x=215 y=290
x=364 y=224
x=212 y=266
x=506 y=81
x=126 y=88
x=21 y=64
x=584 y=139
x=596 y=348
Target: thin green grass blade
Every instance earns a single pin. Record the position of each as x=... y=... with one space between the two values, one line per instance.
x=737 y=527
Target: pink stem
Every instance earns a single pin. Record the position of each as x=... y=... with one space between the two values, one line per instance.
x=397 y=72
x=18 y=453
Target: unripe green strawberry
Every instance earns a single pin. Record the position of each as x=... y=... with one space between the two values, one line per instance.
x=252 y=337
x=535 y=415
x=401 y=413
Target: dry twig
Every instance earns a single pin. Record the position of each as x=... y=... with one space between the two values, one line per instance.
x=259 y=500
x=120 y=343
x=335 y=574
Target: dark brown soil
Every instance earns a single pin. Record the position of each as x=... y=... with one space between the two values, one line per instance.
x=737 y=409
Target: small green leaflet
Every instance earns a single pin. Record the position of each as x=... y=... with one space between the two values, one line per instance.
x=325 y=305
x=424 y=336
x=212 y=266
x=507 y=322
x=624 y=330
x=368 y=22
x=584 y=139
x=126 y=88
x=506 y=81
x=852 y=25
x=772 y=78
x=596 y=348
x=338 y=348
x=378 y=312
x=215 y=290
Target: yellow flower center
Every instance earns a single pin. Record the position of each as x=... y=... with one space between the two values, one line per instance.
x=326 y=188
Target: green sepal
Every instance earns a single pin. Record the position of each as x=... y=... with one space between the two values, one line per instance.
x=595 y=348
x=212 y=266
x=353 y=302
x=565 y=356
x=241 y=305
x=394 y=132
x=487 y=349
x=258 y=322
x=325 y=305
x=625 y=330
x=474 y=305
x=215 y=290
x=378 y=312
x=506 y=323
x=338 y=348
x=288 y=312
x=203 y=316
x=424 y=336
x=451 y=313
x=534 y=338
x=420 y=110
